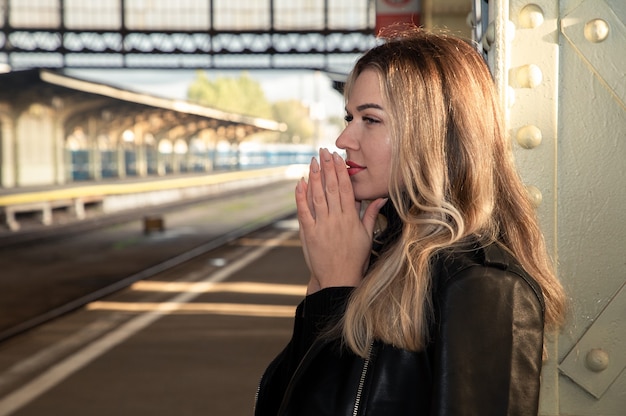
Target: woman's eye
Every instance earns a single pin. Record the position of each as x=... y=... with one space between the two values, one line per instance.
x=369 y=120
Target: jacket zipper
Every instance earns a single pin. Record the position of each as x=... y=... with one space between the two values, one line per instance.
x=359 y=391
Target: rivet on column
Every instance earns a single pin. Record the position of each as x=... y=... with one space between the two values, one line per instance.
x=535 y=195
x=470 y=20
x=489 y=36
x=531 y=16
x=596 y=30
x=529 y=76
x=529 y=137
x=510 y=96
x=597 y=360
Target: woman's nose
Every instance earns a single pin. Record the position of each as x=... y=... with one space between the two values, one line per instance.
x=345 y=139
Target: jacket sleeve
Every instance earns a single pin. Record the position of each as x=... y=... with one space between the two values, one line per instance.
x=488 y=350
x=313 y=315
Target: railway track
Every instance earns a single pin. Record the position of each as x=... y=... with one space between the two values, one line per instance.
x=62 y=271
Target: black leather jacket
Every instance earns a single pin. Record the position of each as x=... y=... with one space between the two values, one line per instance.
x=484 y=359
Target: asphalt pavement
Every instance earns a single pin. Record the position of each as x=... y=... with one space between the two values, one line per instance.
x=193 y=340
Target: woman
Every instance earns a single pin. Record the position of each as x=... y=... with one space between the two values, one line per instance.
x=443 y=312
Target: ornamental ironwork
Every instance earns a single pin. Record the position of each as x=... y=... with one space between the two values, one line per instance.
x=56 y=38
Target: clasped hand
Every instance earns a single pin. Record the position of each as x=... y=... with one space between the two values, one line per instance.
x=336 y=241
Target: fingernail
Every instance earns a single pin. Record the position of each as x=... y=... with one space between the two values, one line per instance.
x=299 y=186
x=337 y=158
x=325 y=154
x=315 y=167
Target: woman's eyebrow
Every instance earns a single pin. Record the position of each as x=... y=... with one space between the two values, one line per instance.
x=368 y=105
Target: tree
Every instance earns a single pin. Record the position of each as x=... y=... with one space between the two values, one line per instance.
x=245 y=95
x=300 y=127
x=241 y=95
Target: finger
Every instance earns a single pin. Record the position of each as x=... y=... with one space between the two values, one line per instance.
x=316 y=190
x=309 y=190
x=371 y=213
x=308 y=196
x=305 y=216
x=346 y=192
x=331 y=185
x=309 y=199
x=303 y=188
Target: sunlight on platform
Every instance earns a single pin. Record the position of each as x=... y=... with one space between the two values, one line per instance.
x=178 y=308
x=185 y=308
x=234 y=287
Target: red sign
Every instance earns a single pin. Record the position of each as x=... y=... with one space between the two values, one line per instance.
x=397 y=11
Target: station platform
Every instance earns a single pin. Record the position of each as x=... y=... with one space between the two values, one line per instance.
x=193 y=340
x=28 y=208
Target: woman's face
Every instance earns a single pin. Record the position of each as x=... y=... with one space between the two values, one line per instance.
x=366 y=138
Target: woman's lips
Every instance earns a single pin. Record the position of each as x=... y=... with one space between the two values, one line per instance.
x=354 y=168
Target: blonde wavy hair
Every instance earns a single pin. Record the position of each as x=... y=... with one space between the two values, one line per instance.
x=454 y=180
